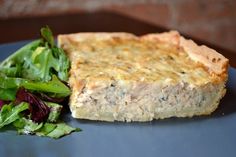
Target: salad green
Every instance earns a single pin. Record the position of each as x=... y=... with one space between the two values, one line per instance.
x=32 y=83
x=10 y=113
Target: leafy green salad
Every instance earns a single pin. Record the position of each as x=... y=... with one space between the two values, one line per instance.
x=33 y=87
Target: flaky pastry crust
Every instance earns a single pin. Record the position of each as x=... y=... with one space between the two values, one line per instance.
x=214 y=61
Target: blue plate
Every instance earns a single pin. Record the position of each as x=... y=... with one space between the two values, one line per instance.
x=213 y=135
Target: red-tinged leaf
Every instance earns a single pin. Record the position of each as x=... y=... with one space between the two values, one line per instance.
x=38 y=109
x=1 y=104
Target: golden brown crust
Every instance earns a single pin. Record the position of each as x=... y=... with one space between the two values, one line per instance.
x=213 y=60
x=216 y=62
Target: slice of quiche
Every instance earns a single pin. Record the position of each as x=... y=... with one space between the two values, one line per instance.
x=123 y=77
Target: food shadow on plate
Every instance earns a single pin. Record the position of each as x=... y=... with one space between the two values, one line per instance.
x=7 y=128
x=227 y=104
x=173 y=121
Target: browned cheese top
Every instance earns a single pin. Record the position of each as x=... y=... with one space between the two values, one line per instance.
x=133 y=60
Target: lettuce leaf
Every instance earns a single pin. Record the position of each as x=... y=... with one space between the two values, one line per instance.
x=37 y=61
x=56 y=130
x=36 y=71
x=39 y=66
x=9 y=86
x=7 y=94
x=55 y=110
x=47 y=35
x=10 y=113
x=12 y=66
x=52 y=130
x=26 y=126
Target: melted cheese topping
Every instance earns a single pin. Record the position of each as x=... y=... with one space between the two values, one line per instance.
x=134 y=60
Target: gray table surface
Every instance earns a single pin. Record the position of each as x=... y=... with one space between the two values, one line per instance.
x=213 y=135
